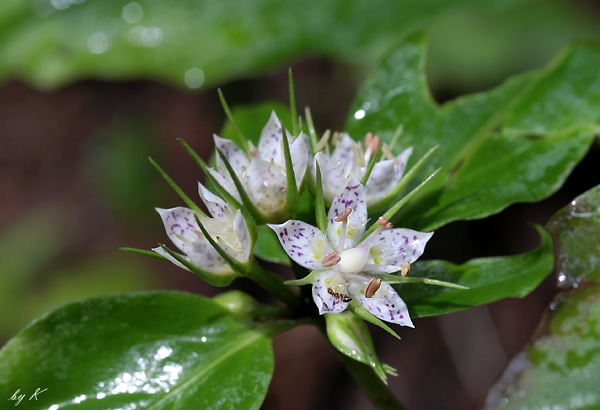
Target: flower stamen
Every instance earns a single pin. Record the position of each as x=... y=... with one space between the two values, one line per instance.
x=343 y=218
x=372 y=287
x=405 y=269
x=330 y=260
x=382 y=224
x=322 y=142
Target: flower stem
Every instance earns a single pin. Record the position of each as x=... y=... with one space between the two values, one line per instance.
x=273 y=284
x=379 y=394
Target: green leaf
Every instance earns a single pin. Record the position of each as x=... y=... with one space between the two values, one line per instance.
x=488 y=280
x=576 y=232
x=351 y=336
x=562 y=367
x=268 y=248
x=159 y=350
x=510 y=144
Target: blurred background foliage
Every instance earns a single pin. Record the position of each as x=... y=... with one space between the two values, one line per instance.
x=91 y=88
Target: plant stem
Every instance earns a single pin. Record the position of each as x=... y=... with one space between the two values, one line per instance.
x=379 y=394
x=274 y=285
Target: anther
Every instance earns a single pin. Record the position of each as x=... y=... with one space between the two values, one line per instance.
x=387 y=152
x=341 y=217
x=359 y=155
x=384 y=223
x=198 y=233
x=405 y=269
x=372 y=287
x=332 y=259
x=253 y=153
x=322 y=142
x=371 y=142
x=336 y=138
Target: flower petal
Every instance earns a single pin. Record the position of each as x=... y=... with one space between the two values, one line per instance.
x=215 y=205
x=266 y=185
x=226 y=182
x=234 y=154
x=385 y=303
x=171 y=259
x=331 y=176
x=396 y=246
x=179 y=223
x=203 y=255
x=380 y=181
x=353 y=197
x=330 y=292
x=304 y=243
x=269 y=145
x=400 y=163
x=240 y=227
x=342 y=153
x=299 y=154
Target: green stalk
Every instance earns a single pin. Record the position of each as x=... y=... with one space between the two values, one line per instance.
x=314 y=140
x=176 y=188
x=413 y=279
x=372 y=161
x=294 y=113
x=320 y=203
x=241 y=140
x=291 y=200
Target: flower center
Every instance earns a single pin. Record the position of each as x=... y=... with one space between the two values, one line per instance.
x=353 y=260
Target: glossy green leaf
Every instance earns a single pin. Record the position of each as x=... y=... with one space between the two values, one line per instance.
x=515 y=143
x=562 y=367
x=576 y=231
x=488 y=279
x=160 y=350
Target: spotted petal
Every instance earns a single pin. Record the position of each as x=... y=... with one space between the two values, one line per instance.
x=353 y=197
x=180 y=225
x=342 y=153
x=331 y=175
x=304 y=243
x=171 y=259
x=203 y=255
x=266 y=185
x=385 y=303
x=299 y=154
x=381 y=180
x=240 y=227
x=396 y=246
x=269 y=145
x=234 y=154
x=225 y=181
x=215 y=205
x=330 y=292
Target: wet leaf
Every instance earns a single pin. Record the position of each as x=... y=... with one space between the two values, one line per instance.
x=158 y=350
x=488 y=279
x=515 y=143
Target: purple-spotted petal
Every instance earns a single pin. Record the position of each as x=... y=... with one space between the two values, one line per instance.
x=352 y=196
x=400 y=163
x=330 y=292
x=304 y=243
x=266 y=185
x=234 y=154
x=203 y=255
x=385 y=303
x=396 y=246
x=225 y=181
x=215 y=205
x=380 y=181
x=299 y=154
x=342 y=153
x=331 y=176
x=269 y=145
x=180 y=225
x=240 y=227
x=171 y=259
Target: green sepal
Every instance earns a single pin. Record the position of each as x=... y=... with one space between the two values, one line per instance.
x=305 y=280
x=237 y=266
x=294 y=113
x=176 y=188
x=222 y=191
x=241 y=139
x=351 y=336
x=291 y=200
x=372 y=161
x=396 y=207
x=257 y=215
x=145 y=252
x=384 y=202
x=358 y=309
x=320 y=202
x=209 y=277
x=311 y=129
x=393 y=279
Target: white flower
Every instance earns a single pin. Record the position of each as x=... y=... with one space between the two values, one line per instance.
x=348 y=159
x=262 y=171
x=346 y=268
x=227 y=227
